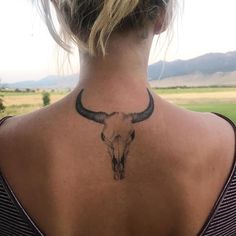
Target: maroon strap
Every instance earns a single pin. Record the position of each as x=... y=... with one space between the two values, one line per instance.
x=4 y=119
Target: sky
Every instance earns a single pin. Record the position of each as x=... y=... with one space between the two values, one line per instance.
x=27 y=51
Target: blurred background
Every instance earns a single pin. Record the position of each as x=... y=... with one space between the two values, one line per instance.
x=194 y=66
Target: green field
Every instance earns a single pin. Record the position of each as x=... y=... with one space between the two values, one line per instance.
x=227 y=109
x=221 y=100
x=194 y=90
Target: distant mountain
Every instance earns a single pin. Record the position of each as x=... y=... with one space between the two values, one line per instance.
x=49 y=82
x=210 y=69
x=207 y=65
x=219 y=79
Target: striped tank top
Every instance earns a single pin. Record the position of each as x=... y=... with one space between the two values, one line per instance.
x=221 y=221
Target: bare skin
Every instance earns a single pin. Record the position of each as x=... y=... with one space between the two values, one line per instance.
x=60 y=171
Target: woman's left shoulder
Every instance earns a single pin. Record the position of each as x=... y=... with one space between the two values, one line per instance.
x=4 y=118
x=4 y=123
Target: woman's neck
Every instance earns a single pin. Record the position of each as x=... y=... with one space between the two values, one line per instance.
x=125 y=65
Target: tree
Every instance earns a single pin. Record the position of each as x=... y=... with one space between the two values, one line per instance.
x=46 y=98
x=2 y=107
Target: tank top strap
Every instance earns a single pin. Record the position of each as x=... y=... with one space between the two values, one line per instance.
x=4 y=119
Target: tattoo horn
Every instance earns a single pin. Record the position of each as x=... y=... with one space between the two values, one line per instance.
x=141 y=116
x=98 y=117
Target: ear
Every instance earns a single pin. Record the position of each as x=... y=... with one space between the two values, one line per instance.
x=161 y=24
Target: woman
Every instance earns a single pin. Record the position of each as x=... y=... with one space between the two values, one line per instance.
x=112 y=157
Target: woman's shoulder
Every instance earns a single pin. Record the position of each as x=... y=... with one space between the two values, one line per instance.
x=4 y=118
x=214 y=148
x=11 y=125
x=210 y=127
x=4 y=125
x=206 y=143
x=18 y=133
x=222 y=128
x=208 y=138
x=29 y=123
x=217 y=131
x=9 y=133
x=21 y=135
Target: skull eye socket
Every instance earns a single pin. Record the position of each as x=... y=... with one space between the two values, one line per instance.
x=102 y=136
x=133 y=135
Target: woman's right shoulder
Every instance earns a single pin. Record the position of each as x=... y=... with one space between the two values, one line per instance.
x=15 y=134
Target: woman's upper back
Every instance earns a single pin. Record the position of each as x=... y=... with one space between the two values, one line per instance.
x=61 y=172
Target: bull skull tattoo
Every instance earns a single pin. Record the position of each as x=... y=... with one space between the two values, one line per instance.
x=118 y=131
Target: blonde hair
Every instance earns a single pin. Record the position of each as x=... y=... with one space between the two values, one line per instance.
x=90 y=23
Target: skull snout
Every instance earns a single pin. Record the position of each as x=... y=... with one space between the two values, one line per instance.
x=118 y=167
x=118 y=164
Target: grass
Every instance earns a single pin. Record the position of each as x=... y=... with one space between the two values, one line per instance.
x=20 y=109
x=194 y=90
x=227 y=109
x=217 y=99
x=13 y=93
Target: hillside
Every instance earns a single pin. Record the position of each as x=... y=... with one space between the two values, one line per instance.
x=220 y=79
x=207 y=65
